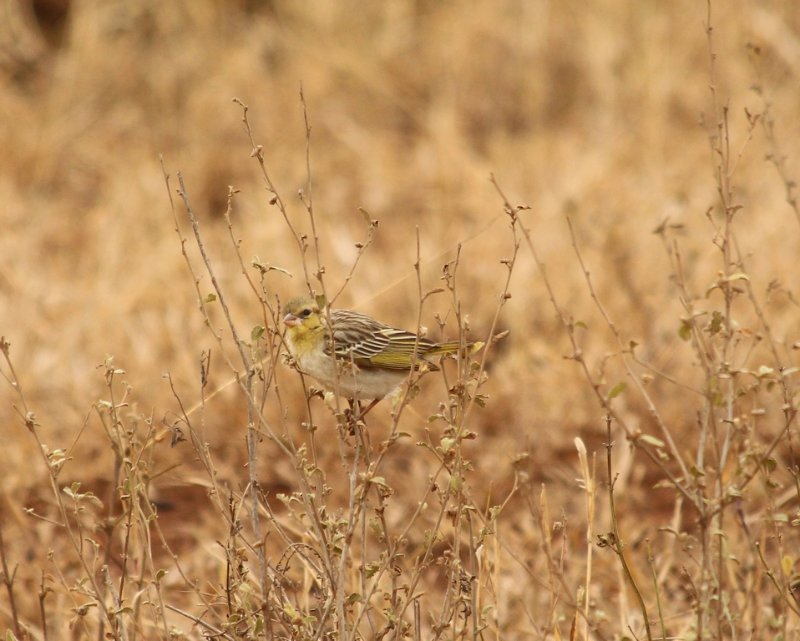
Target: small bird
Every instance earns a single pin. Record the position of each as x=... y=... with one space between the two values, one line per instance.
x=356 y=356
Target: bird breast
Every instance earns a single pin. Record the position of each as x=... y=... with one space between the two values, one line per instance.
x=349 y=380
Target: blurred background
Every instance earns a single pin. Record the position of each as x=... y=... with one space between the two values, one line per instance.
x=600 y=110
x=595 y=109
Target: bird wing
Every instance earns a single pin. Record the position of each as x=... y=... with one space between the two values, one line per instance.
x=364 y=341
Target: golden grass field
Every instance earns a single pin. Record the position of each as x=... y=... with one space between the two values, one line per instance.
x=650 y=199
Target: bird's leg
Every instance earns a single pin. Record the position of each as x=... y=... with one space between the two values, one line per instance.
x=358 y=427
x=358 y=412
x=374 y=402
x=355 y=413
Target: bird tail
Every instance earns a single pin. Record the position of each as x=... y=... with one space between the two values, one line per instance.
x=453 y=347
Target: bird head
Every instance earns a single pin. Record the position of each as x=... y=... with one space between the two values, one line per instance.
x=303 y=317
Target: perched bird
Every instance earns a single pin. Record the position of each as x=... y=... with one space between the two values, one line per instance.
x=354 y=355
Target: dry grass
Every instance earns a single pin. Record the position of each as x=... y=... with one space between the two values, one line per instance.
x=643 y=222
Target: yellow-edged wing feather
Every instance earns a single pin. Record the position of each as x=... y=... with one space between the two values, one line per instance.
x=364 y=341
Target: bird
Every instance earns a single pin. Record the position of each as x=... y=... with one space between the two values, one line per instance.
x=355 y=356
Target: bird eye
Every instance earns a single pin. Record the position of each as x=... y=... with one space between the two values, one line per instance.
x=305 y=313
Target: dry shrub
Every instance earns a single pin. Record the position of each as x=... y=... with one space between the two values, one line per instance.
x=645 y=226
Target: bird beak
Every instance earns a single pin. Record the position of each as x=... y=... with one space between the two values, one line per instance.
x=290 y=320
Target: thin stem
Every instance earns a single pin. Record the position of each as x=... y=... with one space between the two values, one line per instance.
x=615 y=542
x=8 y=581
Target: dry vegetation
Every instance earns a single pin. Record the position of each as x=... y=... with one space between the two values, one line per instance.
x=640 y=245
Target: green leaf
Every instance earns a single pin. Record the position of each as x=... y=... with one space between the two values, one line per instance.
x=737 y=276
x=651 y=440
x=617 y=389
x=664 y=484
x=685 y=330
x=210 y=298
x=764 y=370
x=716 y=322
x=257 y=332
x=73 y=490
